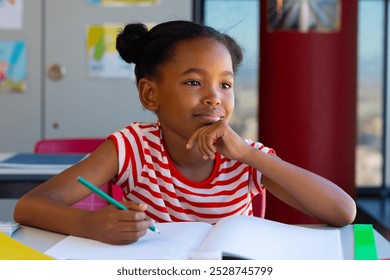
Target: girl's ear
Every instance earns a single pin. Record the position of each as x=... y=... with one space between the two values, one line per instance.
x=148 y=94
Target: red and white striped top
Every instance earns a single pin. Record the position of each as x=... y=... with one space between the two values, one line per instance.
x=146 y=174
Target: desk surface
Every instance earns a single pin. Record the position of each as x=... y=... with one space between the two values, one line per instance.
x=42 y=240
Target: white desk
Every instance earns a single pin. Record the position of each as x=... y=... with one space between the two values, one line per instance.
x=14 y=182
x=42 y=240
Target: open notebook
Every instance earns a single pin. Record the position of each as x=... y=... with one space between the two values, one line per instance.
x=235 y=236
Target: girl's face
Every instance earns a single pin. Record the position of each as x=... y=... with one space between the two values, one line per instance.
x=195 y=88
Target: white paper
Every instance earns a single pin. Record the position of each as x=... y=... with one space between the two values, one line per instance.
x=254 y=238
x=175 y=241
x=11 y=14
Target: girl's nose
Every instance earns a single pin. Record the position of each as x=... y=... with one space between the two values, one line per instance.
x=212 y=98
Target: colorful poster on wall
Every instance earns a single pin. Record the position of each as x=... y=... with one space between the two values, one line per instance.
x=11 y=14
x=103 y=60
x=13 y=69
x=122 y=2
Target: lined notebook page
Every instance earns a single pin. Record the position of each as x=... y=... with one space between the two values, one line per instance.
x=255 y=238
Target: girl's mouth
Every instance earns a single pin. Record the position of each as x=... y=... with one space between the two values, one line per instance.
x=209 y=117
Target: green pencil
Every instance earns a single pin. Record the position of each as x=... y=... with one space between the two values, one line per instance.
x=108 y=198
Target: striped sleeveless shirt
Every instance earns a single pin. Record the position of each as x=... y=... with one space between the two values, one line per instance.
x=146 y=174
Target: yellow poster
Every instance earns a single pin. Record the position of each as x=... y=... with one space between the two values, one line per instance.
x=102 y=57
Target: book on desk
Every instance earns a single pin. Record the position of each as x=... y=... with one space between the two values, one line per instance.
x=41 y=161
x=235 y=237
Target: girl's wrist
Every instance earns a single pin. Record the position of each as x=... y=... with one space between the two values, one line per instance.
x=246 y=154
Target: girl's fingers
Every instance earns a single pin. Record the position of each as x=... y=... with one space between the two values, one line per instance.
x=206 y=146
x=130 y=232
x=135 y=212
x=136 y=226
x=191 y=142
x=131 y=205
x=205 y=138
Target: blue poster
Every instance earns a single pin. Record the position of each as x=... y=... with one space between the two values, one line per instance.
x=13 y=66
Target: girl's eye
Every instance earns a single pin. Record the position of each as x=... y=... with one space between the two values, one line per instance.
x=226 y=86
x=192 y=83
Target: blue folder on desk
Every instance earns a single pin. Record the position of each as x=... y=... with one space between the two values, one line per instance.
x=41 y=161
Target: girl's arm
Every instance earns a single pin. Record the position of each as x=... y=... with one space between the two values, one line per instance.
x=303 y=190
x=299 y=188
x=48 y=206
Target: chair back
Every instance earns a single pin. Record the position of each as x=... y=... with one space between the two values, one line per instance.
x=66 y=146
x=72 y=146
x=258 y=204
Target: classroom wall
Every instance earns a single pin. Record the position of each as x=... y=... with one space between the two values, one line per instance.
x=20 y=112
x=307 y=109
x=78 y=104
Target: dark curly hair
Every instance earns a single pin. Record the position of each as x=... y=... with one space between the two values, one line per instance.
x=149 y=49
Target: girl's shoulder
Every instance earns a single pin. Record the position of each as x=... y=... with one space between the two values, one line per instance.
x=141 y=129
x=137 y=132
x=144 y=126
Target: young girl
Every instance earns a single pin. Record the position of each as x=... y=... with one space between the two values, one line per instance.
x=189 y=165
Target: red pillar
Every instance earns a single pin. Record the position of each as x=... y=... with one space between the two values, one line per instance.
x=307 y=104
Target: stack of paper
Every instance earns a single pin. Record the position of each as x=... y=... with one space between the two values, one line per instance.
x=8 y=227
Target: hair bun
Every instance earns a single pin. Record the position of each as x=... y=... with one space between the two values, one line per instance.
x=130 y=42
